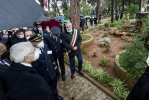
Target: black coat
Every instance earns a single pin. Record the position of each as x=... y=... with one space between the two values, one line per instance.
x=141 y=89
x=55 y=45
x=46 y=64
x=3 y=88
x=25 y=83
x=66 y=40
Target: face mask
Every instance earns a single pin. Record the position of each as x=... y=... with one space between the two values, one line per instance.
x=27 y=37
x=39 y=28
x=69 y=31
x=5 y=55
x=36 y=55
x=40 y=45
x=48 y=29
x=21 y=36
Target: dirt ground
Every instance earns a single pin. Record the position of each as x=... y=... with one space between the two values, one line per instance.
x=115 y=48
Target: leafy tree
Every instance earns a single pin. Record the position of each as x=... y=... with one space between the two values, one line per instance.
x=85 y=9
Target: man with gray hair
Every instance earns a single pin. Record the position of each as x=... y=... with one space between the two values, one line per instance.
x=22 y=79
x=72 y=41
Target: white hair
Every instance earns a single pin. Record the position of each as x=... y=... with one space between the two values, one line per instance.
x=68 y=23
x=19 y=51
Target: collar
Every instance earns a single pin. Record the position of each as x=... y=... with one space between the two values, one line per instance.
x=28 y=65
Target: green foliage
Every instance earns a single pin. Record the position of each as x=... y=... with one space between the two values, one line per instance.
x=124 y=45
x=133 y=59
x=85 y=37
x=107 y=47
x=83 y=50
x=115 y=23
x=104 y=61
x=118 y=86
x=105 y=34
x=86 y=8
x=132 y=9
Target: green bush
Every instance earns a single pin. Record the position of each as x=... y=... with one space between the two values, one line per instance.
x=132 y=9
x=133 y=59
x=85 y=37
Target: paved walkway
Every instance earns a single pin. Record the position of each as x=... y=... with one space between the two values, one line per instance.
x=79 y=88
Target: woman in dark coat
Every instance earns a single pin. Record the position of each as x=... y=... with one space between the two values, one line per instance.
x=18 y=36
x=141 y=89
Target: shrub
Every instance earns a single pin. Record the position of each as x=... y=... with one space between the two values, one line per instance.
x=133 y=59
x=132 y=9
x=104 y=61
x=104 y=41
x=105 y=34
x=85 y=37
x=83 y=50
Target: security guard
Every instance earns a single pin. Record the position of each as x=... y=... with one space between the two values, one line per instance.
x=54 y=42
x=46 y=64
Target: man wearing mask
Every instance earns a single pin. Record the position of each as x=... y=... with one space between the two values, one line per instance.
x=28 y=34
x=54 y=41
x=22 y=79
x=17 y=37
x=40 y=30
x=4 y=64
x=72 y=41
x=46 y=64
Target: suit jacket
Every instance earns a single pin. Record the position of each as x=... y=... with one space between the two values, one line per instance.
x=46 y=64
x=141 y=89
x=66 y=40
x=55 y=45
x=25 y=83
x=3 y=88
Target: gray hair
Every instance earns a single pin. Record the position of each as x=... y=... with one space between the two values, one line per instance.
x=68 y=23
x=19 y=51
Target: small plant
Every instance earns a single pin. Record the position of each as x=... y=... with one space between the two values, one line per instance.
x=104 y=41
x=105 y=34
x=124 y=45
x=107 y=48
x=104 y=61
x=95 y=54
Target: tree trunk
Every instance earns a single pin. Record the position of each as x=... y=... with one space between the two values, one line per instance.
x=128 y=2
x=75 y=13
x=98 y=10
x=112 y=14
x=140 y=4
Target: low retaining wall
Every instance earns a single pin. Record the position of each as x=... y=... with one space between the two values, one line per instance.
x=121 y=73
x=88 y=44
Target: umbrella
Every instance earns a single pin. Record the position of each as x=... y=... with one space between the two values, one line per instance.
x=59 y=18
x=19 y=13
x=68 y=15
x=42 y=18
x=65 y=21
x=50 y=23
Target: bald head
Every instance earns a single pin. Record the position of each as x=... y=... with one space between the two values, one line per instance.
x=2 y=48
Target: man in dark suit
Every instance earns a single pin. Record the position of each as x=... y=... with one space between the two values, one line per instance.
x=72 y=41
x=53 y=40
x=4 y=64
x=40 y=30
x=22 y=79
x=46 y=64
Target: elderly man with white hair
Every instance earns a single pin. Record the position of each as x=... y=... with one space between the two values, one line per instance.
x=22 y=79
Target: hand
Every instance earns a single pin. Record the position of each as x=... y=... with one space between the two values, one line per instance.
x=5 y=36
x=75 y=48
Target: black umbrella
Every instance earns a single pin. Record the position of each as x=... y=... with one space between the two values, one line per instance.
x=19 y=13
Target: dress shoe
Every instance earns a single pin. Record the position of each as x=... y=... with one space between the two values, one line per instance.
x=59 y=98
x=63 y=77
x=81 y=72
x=72 y=76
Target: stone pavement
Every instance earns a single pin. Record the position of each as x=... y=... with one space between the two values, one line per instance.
x=79 y=88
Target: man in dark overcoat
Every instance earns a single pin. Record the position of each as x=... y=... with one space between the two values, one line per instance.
x=22 y=79
x=54 y=41
x=4 y=64
x=72 y=41
x=46 y=64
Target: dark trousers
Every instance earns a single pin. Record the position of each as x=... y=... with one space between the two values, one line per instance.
x=61 y=65
x=53 y=85
x=72 y=63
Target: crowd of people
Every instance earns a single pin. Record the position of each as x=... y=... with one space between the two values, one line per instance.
x=30 y=59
